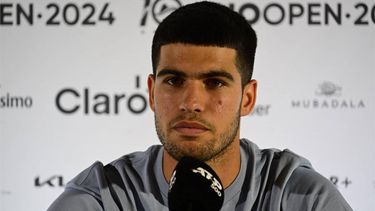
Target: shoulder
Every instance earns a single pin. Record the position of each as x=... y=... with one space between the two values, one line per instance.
x=137 y=160
x=308 y=190
x=82 y=192
x=75 y=200
x=90 y=187
x=288 y=180
x=91 y=179
x=273 y=159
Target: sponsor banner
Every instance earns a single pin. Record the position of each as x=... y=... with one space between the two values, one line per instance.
x=73 y=89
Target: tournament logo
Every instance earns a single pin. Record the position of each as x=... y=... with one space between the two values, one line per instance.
x=276 y=13
x=158 y=9
x=162 y=8
x=329 y=96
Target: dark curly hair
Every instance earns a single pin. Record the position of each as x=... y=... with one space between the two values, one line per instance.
x=208 y=24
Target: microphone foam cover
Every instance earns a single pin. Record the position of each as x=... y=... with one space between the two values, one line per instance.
x=195 y=186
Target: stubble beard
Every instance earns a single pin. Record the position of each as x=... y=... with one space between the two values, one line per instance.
x=210 y=150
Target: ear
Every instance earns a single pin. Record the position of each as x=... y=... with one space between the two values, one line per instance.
x=151 y=86
x=248 y=97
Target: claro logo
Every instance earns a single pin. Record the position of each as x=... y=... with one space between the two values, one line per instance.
x=85 y=101
x=88 y=101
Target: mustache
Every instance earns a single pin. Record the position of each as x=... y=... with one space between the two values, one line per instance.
x=192 y=117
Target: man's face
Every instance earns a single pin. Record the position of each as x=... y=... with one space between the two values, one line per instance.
x=197 y=98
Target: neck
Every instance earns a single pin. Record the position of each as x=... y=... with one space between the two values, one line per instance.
x=227 y=165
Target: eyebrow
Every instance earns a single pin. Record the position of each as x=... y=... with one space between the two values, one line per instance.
x=208 y=74
x=164 y=72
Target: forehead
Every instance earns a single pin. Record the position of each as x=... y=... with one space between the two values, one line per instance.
x=196 y=58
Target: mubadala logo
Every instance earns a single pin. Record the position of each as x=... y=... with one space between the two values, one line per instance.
x=329 y=96
x=328 y=89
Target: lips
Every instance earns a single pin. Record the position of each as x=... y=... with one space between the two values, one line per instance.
x=190 y=128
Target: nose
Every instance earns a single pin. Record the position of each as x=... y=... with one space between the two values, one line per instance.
x=193 y=97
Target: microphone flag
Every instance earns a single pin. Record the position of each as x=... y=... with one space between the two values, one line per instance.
x=194 y=186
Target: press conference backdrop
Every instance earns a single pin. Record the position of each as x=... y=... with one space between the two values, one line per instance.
x=73 y=89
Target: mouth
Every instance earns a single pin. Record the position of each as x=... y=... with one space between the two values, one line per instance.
x=188 y=128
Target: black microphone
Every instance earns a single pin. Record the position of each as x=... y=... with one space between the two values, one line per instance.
x=194 y=186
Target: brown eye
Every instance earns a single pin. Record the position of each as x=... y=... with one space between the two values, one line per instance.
x=214 y=83
x=175 y=81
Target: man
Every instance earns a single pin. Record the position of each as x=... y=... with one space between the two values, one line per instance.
x=203 y=56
